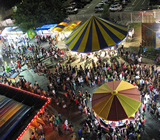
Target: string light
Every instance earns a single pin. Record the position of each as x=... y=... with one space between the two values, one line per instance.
x=48 y=100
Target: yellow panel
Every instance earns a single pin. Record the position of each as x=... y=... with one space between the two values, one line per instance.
x=82 y=45
x=103 y=108
x=76 y=39
x=124 y=85
x=103 y=89
x=77 y=31
x=118 y=26
x=117 y=33
x=57 y=29
x=95 y=41
x=130 y=106
x=107 y=38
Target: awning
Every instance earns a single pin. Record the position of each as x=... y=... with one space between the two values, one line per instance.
x=71 y=26
x=6 y=30
x=96 y=34
x=45 y=27
x=61 y=26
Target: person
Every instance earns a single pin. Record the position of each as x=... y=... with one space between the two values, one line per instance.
x=42 y=137
x=59 y=131
x=60 y=116
x=147 y=100
x=144 y=51
x=80 y=133
x=33 y=136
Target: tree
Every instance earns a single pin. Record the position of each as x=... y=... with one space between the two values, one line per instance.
x=35 y=13
x=106 y=13
x=7 y=4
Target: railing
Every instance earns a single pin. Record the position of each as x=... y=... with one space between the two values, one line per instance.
x=125 y=17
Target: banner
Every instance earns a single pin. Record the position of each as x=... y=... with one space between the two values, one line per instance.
x=31 y=34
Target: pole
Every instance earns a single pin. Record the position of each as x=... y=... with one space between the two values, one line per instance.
x=142 y=17
x=131 y=18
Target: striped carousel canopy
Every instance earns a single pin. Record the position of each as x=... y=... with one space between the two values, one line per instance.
x=96 y=34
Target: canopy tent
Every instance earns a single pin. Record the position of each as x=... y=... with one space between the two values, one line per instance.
x=61 y=25
x=45 y=27
x=116 y=100
x=6 y=30
x=96 y=34
x=11 y=31
x=71 y=26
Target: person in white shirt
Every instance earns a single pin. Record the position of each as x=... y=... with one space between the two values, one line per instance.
x=141 y=82
x=147 y=100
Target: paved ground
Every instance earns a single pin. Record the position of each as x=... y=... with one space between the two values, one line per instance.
x=72 y=113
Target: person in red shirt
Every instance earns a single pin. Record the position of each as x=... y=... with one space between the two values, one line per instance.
x=150 y=87
x=64 y=126
x=143 y=107
x=19 y=66
x=134 y=84
x=76 y=100
x=79 y=94
x=62 y=52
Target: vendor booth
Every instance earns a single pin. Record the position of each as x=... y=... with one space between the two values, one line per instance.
x=56 y=31
x=45 y=29
x=13 y=34
x=69 y=29
x=14 y=77
x=60 y=26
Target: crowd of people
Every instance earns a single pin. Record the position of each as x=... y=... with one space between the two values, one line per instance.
x=68 y=78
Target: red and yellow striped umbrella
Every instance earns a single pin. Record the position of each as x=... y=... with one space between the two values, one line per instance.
x=116 y=100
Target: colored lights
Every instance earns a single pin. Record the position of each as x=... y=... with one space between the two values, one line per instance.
x=46 y=99
x=34 y=119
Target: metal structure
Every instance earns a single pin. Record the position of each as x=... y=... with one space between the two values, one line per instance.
x=152 y=16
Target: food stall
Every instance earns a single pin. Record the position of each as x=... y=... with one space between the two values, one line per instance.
x=56 y=31
x=12 y=34
x=14 y=77
x=45 y=29
x=69 y=29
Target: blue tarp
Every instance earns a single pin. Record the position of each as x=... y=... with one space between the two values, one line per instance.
x=45 y=27
x=67 y=21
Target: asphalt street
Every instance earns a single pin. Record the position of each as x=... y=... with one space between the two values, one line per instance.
x=136 y=5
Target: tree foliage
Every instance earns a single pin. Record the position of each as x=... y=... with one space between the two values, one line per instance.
x=35 y=13
x=106 y=12
x=7 y=4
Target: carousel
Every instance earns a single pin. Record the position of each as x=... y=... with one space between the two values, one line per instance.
x=116 y=103
x=96 y=37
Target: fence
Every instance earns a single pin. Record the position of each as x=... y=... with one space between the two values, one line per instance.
x=125 y=17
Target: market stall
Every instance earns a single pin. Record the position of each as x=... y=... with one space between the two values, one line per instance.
x=69 y=29
x=45 y=29
x=56 y=31
x=13 y=35
x=14 y=77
